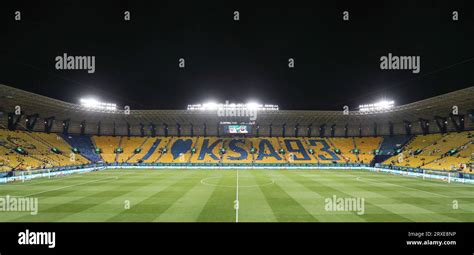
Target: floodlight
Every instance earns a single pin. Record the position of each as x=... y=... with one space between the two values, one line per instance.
x=379 y=106
x=253 y=105
x=93 y=103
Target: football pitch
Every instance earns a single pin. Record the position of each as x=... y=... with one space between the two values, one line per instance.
x=177 y=195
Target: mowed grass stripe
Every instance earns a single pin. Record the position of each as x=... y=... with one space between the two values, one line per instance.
x=15 y=186
x=458 y=190
x=109 y=208
x=63 y=193
x=102 y=193
x=418 y=206
x=189 y=206
x=53 y=210
x=434 y=186
x=284 y=207
x=220 y=205
x=65 y=184
x=296 y=195
x=32 y=187
x=440 y=207
x=316 y=196
x=386 y=197
x=325 y=192
x=22 y=189
x=372 y=211
x=159 y=201
x=253 y=206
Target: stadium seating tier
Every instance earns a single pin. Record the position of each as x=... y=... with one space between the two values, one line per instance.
x=453 y=151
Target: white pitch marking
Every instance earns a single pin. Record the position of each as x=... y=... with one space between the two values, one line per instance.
x=40 y=182
x=115 y=178
x=402 y=186
x=204 y=182
x=236 y=202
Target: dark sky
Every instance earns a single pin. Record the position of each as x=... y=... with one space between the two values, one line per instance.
x=336 y=62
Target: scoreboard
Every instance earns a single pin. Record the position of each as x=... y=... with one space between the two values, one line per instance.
x=237 y=129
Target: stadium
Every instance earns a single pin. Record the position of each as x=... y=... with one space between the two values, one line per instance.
x=205 y=126
x=217 y=162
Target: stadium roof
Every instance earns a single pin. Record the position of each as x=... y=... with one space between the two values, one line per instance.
x=31 y=103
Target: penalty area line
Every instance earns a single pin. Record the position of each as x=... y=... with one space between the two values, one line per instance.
x=93 y=181
x=370 y=180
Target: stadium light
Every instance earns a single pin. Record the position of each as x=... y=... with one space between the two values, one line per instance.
x=210 y=106
x=253 y=105
x=95 y=104
x=227 y=105
x=379 y=106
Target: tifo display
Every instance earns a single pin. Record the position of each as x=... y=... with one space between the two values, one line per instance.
x=23 y=150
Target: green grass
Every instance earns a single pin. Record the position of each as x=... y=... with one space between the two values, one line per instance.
x=264 y=196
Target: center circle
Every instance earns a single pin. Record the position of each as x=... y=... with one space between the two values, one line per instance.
x=214 y=181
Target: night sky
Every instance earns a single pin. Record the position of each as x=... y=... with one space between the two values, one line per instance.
x=336 y=62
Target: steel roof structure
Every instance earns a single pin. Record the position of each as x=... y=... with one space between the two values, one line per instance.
x=45 y=107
